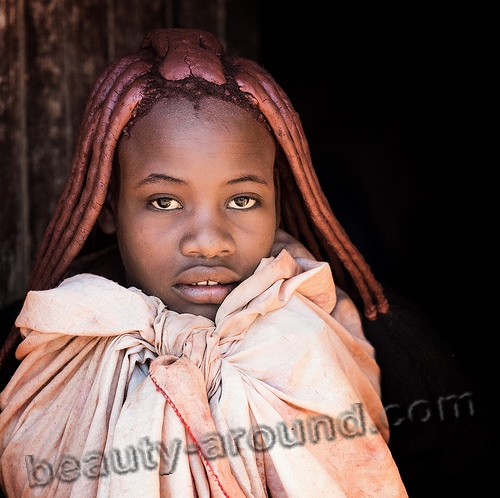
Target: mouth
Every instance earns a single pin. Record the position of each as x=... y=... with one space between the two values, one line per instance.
x=205 y=292
x=206 y=285
x=207 y=282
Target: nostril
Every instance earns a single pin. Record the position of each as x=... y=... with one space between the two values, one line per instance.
x=207 y=242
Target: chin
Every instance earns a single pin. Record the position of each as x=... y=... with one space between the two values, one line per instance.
x=207 y=310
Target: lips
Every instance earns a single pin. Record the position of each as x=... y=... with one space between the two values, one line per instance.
x=204 y=275
x=206 y=285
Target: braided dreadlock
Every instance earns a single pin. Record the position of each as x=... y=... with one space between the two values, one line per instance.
x=192 y=63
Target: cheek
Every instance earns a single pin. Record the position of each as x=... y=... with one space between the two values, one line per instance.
x=258 y=238
x=138 y=243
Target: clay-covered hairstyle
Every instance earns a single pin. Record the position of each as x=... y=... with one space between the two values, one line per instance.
x=192 y=63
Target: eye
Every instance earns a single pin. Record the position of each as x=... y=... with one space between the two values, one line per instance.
x=242 y=202
x=165 y=204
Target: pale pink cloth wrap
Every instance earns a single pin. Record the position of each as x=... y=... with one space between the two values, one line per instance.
x=277 y=359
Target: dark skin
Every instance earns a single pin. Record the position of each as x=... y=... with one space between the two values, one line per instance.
x=195 y=209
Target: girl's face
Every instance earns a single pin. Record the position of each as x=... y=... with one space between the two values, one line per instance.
x=195 y=209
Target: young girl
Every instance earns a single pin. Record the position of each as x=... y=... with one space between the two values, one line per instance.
x=211 y=351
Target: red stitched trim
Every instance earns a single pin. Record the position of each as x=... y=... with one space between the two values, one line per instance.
x=186 y=425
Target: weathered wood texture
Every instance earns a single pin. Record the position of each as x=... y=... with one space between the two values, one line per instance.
x=51 y=51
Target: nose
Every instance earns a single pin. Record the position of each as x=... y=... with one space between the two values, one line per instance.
x=207 y=236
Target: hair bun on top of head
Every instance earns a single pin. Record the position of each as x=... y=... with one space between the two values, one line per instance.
x=187 y=52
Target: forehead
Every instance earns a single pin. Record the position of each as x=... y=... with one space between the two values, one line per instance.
x=180 y=119
x=178 y=133
x=203 y=110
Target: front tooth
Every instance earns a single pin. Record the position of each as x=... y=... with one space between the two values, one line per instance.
x=207 y=282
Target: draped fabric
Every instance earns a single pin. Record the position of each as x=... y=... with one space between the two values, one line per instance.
x=118 y=396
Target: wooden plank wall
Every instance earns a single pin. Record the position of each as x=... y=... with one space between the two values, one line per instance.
x=50 y=53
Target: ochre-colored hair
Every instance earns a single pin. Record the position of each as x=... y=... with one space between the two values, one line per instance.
x=194 y=61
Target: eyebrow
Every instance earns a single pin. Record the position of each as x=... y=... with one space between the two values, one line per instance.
x=160 y=177
x=247 y=178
